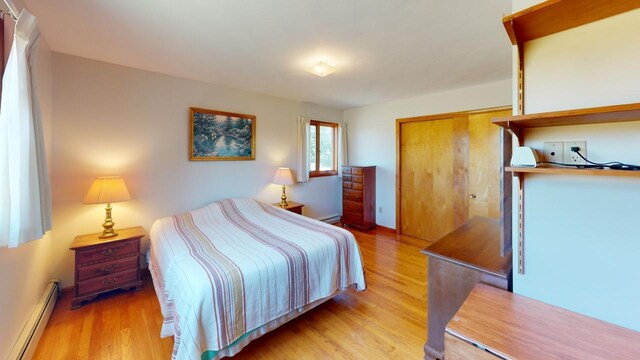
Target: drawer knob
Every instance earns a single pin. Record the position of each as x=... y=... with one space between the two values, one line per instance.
x=108 y=269
x=110 y=251
x=109 y=281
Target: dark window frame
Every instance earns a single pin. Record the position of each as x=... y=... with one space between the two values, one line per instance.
x=318 y=172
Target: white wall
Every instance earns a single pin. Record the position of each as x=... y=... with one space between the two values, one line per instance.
x=116 y=120
x=582 y=244
x=372 y=132
x=25 y=271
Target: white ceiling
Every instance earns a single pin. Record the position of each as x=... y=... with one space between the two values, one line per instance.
x=383 y=49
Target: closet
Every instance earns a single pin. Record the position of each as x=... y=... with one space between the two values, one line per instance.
x=448 y=171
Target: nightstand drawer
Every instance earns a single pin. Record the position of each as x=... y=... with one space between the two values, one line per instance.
x=107 y=251
x=106 y=268
x=107 y=282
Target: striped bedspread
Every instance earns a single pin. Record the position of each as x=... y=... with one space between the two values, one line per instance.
x=225 y=270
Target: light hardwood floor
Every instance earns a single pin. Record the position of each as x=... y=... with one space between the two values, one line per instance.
x=388 y=321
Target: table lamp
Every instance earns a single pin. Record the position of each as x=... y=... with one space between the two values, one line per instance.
x=107 y=190
x=283 y=177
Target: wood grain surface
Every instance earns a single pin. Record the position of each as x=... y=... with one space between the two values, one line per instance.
x=517 y=327
x=388 y=321
x=484 y=159
x=449 y=171
x=554 y=16
x=475 y=244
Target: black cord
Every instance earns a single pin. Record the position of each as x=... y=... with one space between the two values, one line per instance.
x=556 y=163
x=573 y=165
x=616 y=165
x=601 y=164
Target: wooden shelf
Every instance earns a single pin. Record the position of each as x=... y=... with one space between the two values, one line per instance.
x=554 y=16
x=572 y=171
x=597 y=115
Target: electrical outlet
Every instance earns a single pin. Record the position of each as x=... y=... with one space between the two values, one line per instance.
x=571 y=157
x=554 y=152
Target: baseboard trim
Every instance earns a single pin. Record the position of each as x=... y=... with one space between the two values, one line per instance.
x=27 y=342
x=384 y=228
x=331 y=219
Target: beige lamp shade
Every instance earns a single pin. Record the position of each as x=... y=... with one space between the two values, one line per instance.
x=107 y=189
x=283 y=177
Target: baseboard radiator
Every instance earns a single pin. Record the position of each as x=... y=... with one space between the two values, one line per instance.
x=331 y=219
x=33 y=329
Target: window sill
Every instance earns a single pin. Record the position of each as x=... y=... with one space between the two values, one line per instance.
x=323 y=173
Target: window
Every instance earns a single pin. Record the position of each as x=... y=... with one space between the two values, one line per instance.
x=323 y=156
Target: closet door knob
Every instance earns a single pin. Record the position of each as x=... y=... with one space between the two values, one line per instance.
x=473 y=196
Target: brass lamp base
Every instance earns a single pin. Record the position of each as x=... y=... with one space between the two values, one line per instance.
x=108 y=231
x=283 y=198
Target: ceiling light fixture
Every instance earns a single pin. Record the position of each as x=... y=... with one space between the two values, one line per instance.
x=321 y=69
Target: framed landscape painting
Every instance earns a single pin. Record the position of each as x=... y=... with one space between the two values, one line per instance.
x=219 y=135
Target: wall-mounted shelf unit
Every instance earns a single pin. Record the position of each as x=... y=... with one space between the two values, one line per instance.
x=597 y=115
x=544 y=19
x=572 y=171
x=554 y=16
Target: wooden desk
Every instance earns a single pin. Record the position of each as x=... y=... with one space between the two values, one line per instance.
x=516 y=327
x=457 y=262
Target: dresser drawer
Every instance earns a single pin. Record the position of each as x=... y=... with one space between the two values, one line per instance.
x=352 y=195
x=351 y=218
x=346 y=178
x=346 y=170
x=356 y=186
x=351 y=206
x=356 y=171
x=346 y=185
x=357 y=179
x=107 y=282
x=107 y=251
x=106 y=268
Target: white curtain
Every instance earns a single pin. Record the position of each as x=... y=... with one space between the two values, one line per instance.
x=342 y=147
x=302 y=168
x=25 y=193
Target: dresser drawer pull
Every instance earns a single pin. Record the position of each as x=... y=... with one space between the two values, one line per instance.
x=108 y=269
x=352 y=197
x=109 y=252
x=109 y=281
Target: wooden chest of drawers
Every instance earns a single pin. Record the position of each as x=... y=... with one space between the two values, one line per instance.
x=106 y=264
x=359 y=196
x=494 y=324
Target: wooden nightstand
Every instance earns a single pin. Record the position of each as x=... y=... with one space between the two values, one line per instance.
x=293 y=207
x=106 y=264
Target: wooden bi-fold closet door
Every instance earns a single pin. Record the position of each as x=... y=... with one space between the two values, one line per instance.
x=449 y=172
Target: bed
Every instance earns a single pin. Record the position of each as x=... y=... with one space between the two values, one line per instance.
x=236 y=269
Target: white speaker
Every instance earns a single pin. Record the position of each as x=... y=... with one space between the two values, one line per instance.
x=524 y=156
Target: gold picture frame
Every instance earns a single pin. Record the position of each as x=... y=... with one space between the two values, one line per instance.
x=221 y=136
